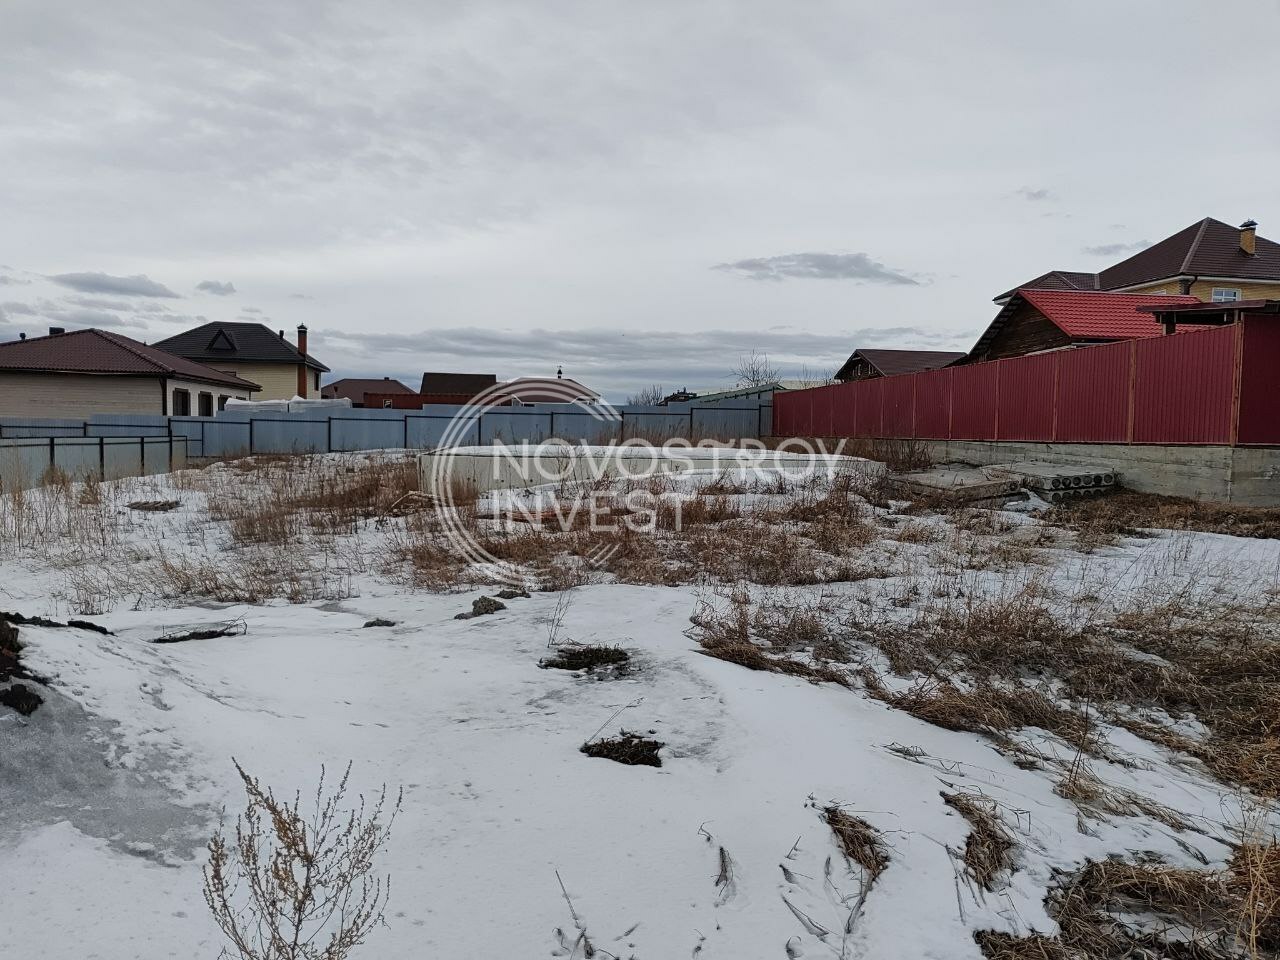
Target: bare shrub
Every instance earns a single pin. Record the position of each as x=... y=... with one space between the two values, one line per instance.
x=297 y=886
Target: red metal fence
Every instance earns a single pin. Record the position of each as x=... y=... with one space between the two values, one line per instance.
x=1218 y=386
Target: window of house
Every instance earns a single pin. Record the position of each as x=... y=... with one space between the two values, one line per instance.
x=206 y=404
x=1225 y=294
x=222 y=401
x=182 y=403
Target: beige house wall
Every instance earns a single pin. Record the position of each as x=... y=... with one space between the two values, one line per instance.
x=279 y=381
x=76 y=395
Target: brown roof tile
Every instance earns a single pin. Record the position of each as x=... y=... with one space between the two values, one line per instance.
x=890 y=363
x=1209 y=248
x=354 y=388
x=103 y=352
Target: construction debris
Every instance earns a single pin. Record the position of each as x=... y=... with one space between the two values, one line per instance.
x=999 y=483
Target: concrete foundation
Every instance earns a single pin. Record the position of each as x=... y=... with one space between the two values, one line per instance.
x=517 y=467
x=1249 y=476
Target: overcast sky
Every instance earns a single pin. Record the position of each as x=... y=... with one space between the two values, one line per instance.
x=637 y=191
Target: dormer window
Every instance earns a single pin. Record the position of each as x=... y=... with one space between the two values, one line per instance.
x=221 y=341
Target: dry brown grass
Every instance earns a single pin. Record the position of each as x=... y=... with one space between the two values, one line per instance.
x=727 y=635
x=1115 y=909
x=859 y=841
x=989 y=848
x=1126 y=512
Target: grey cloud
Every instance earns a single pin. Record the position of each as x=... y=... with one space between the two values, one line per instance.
x=1035 y=194
x=216 y=287
x=1115 y=249
x=135 y=286
x=11 y=281
x=19 y=309
x=605 y=359
x=817 y=266
x=250 y=310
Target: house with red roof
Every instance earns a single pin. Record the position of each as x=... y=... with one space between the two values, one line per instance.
x=89 y=372
x=1035 y=321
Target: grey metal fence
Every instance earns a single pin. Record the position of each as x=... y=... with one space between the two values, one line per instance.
x=232 y=433
x=26 y=461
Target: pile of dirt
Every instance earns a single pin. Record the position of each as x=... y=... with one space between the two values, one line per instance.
x=482 y=606
x=587 y=657
x=21 y=698
x=629 y=748
x=18 y=620
x=154 y=506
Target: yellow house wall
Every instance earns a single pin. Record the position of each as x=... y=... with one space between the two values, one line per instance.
x=279 y=381
x=1203 y=289
x=76 y=395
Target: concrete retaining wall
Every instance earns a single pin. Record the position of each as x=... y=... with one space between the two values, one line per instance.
x=520 y=467
x=1249 y=476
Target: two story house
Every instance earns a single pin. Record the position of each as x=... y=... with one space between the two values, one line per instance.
x=253 y=352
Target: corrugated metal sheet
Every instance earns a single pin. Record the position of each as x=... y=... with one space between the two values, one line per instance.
x=933 y=405
x=1093 y=394
x=898 y=406
x=1167 y=390
x=843 y=403
x=973 y=401
x=867 y=412
x=1259 y=396
x=1183 y=387
x=1026 y=400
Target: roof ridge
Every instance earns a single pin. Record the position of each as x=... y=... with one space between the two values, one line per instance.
x=1195 y=245
x=119 y=341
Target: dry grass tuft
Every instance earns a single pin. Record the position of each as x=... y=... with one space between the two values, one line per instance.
x=989 y=848
x=996 y=945
x=1125 y=513
x=859 y=841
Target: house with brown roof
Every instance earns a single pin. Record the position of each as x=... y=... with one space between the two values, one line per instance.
x=254 y=352
x=355 y=389
x=1209 y=260
x=869 y=364
x=457 y=384
x=88 y=372
x=1036 y=321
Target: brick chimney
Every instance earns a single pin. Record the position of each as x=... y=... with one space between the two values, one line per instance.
x=302 y=367
x=1248 y=236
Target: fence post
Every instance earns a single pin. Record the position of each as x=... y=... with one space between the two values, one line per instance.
x=622 y=427
x=1237 y=374
x=690 y=436
x=251 y=435
x=1133 y=388
x=142 y=455
x=406 y=431
x=102 y=458
x=328 y=434
x=53 y=456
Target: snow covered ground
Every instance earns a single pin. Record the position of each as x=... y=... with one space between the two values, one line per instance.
x=111 y=789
